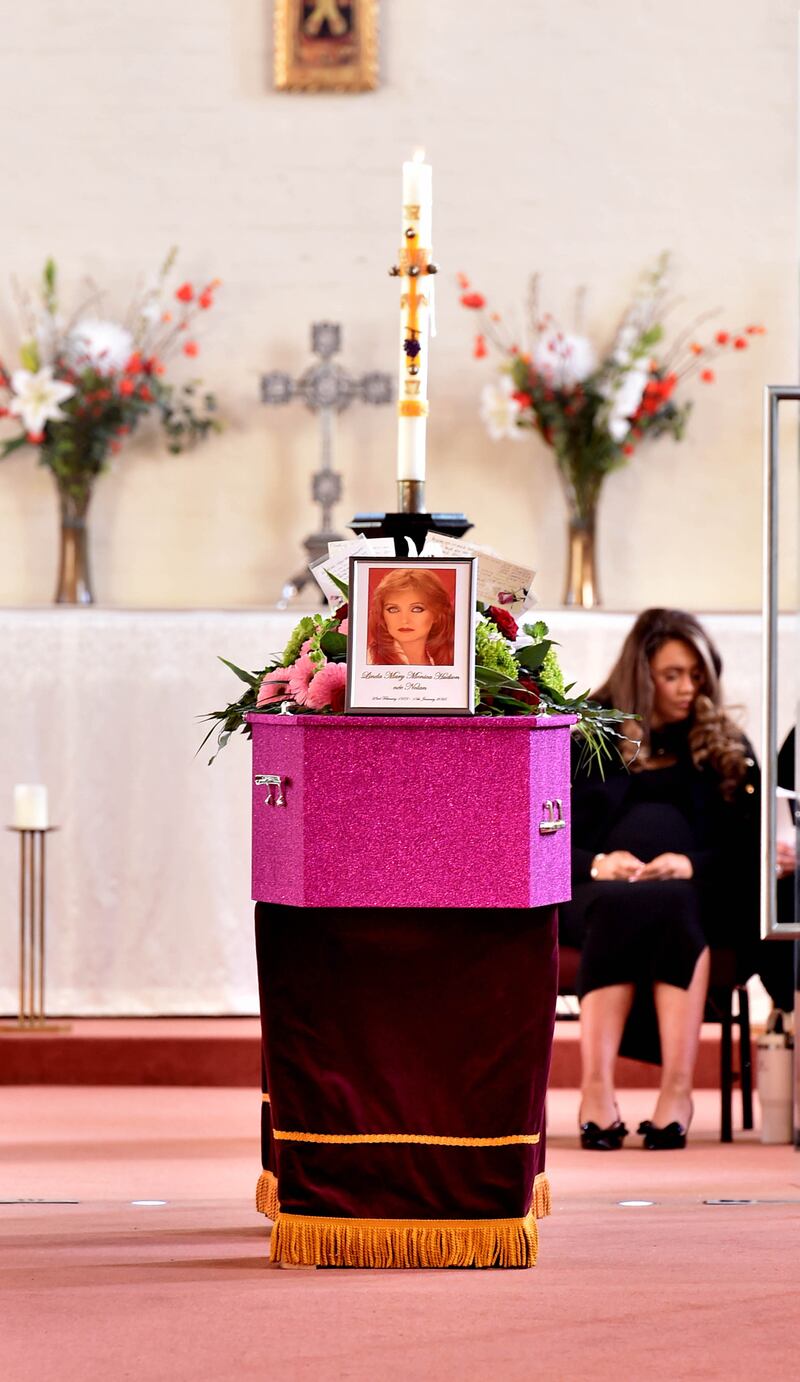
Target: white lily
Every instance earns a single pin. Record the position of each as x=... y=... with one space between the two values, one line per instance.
x=500 y=411
x=37 y=398
x=625 y=395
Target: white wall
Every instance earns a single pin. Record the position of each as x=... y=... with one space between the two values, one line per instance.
x=578 y=139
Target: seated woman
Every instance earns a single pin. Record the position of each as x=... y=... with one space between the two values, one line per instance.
x=665 y=860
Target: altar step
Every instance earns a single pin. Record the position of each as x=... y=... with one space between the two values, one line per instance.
x=225 y=1051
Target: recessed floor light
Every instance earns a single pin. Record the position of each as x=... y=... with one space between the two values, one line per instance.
x=146 y=1202
x=730 y=1201
x=634 y=1204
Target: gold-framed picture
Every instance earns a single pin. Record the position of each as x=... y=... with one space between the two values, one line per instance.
x=326 y=45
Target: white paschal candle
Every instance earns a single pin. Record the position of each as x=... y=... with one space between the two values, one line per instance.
x=414 y=311
x=30 y=807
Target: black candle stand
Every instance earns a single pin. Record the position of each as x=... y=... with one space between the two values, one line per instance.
x=416 y=526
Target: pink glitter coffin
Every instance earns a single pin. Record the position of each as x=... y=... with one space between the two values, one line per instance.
x=411 y=811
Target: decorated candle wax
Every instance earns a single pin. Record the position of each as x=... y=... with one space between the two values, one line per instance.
x=415 y=305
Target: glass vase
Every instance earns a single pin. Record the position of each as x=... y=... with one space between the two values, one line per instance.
x=582 y=586
x=74 y=579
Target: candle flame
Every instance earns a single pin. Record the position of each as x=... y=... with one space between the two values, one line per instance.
x=419 y=156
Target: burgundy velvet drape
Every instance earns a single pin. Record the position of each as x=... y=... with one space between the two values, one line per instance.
x=434 y=1023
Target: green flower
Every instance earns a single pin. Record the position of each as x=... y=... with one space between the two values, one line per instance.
x=492 y=650
x=305 y=629
x=550 y=673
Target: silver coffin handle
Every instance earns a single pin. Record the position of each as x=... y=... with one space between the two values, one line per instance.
x=553 y=818
x=271 y=781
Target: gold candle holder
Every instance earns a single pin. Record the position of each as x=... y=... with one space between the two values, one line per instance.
x=411 y=496
x=32 y=935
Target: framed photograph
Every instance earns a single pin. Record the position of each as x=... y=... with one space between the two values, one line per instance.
x=326 y=45
x=411 y=636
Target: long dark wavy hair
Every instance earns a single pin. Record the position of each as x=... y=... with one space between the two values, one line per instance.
x=382 y=649
x=714 y=738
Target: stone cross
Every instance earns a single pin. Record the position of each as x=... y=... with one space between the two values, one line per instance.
x=326 y=389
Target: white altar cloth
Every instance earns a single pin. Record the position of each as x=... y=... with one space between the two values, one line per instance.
x=149 y=907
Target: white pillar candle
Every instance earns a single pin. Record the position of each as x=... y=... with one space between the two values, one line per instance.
x=412 y=392
x=30 y=807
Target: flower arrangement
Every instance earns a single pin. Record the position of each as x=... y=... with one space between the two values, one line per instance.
x=85 y=381
x=595 y=411
x=517 y=672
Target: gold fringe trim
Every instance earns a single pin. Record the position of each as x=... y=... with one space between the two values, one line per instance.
x=265 y=1099
x=542 y=1204
x=529 y=1139
x=412 y=407
x=310 y=1241
x=267 y=1195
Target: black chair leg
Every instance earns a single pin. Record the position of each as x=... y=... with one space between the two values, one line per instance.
x=726 y=1072
x=745 y=1058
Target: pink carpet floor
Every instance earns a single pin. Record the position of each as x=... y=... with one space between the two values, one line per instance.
x=105 y=1289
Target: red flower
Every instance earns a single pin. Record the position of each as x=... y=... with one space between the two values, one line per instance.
x=527 y=690
x=126 y=387
x=145 y=394
x=722 y=337
x=135 y=363
x=341 y=613
x=707 y=376
x=3 y=412
x=695 y=348
x=35 y=438
x=628 y=449
x=505 y=622
x=191 y=348
x=740 y=343
x=474 y=300
x=205 y=299
x=479 y=348
x=523 y=399
x=463 y=282
x=755 y=330
x=185 y=293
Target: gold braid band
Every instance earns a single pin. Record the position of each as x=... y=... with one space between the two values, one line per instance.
x=265 y=1099
x=412 y=407
x=527 y=1139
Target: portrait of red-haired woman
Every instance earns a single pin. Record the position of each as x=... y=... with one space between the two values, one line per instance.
x=411 y=620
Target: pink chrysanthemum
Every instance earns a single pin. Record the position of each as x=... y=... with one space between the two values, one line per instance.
x=300 y=675
x=326 y=691
x=274 y=686
x=344 y=627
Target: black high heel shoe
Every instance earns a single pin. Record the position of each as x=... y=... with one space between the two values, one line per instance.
x=597 y=1139
x=672 y=1138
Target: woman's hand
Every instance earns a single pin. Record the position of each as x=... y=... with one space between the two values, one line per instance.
x=619 y=864
x=666 y=866
x=785 y=858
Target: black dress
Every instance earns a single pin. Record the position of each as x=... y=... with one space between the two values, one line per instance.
x=654 y=931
